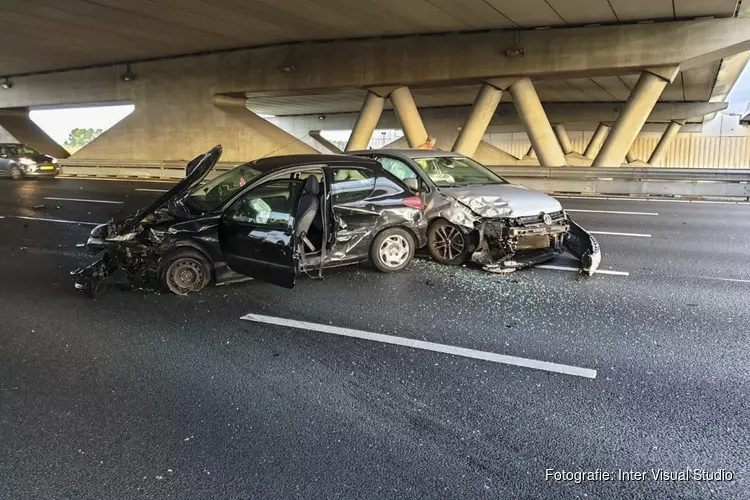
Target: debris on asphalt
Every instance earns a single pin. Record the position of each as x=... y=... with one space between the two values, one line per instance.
x=39 y=207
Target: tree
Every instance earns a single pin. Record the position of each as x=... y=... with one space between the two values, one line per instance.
x=79 y=137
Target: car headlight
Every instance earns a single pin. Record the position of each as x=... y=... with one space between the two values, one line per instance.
x=54 y=160
x=26 y=161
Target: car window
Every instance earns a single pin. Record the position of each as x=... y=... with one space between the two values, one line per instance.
x=351 y=184
x=269 y=205
x=212 y=193
x=397 y=167
x=22 y=150
x=446 y=171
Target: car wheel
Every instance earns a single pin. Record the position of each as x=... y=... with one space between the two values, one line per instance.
x=447 y=243
x=392 y=250
x=184 y=270
x=16 y=173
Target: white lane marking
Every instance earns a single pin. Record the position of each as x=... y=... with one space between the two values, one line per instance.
x=427 y=346
x=608 y=212
x=724 y=279
x=566 y=268
x=152 y=190
x=636 y=235
x=42 y=219
x=83 y=201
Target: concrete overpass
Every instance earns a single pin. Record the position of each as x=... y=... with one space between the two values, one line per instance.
x=193 y=64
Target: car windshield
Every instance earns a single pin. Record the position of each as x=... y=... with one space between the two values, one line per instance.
x=212 y=193
x=457 y=171
x=21 y=150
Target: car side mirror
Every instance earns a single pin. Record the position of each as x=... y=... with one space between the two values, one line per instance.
x=412 y=183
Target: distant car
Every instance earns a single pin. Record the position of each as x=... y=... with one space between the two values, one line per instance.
x=19 y=161
x=476 y=214
x=267 y=219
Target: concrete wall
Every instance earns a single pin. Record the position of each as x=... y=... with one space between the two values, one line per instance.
x=723 y=143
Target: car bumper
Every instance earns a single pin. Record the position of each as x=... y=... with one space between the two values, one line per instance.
x=42 y=173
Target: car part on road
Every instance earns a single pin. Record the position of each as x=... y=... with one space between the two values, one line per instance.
x=268 y=219
x=476 y=214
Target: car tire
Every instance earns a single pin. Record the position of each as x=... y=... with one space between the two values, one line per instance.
x=15 y=173
x=183 y=271
x=447 y=243
x=392 y=250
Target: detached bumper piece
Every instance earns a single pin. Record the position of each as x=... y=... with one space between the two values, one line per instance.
x=92 y=280
x=584 y=247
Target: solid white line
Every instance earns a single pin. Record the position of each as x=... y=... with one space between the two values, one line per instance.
x=41 y=219
x=724 y=279
x=152 y=190
x=609 y=212
x=566 y=268
x=636 y=235
x=427 y=346
x=83 y=201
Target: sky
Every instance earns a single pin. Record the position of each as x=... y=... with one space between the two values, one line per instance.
x=59 y=122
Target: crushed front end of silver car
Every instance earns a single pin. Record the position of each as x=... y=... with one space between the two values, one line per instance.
x=506 y=243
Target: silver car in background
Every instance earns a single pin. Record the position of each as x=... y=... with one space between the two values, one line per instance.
x=475 y=214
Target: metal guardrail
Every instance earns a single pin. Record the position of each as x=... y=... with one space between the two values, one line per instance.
x=653 y=181
x=587 y=180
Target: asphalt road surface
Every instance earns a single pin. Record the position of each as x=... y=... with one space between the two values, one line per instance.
x=142 y=395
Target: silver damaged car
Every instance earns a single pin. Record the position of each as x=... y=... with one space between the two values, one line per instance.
x=474 y=214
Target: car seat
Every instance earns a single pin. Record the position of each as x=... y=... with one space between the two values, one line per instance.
x=307 y=209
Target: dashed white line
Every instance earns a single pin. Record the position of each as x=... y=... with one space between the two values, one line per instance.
x=609 y=212
x=152 y=190
x=427 y=346
x=635 y=235
x=566 y=268
x=62 y=221
x=83 y=201
x=735 y=280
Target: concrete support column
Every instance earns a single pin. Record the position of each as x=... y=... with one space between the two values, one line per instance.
x=665 y=141
x=537 y=126
x=367 y=120
x=642 y=99
x=630 y=157
x=315 y=134
x=531 y=153
x=18 y=124
x=482 y=112
x=596 y=141
x=562 y=138
x=408 y=115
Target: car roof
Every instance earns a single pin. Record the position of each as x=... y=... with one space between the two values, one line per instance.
x=410 y=153
x=277 y=162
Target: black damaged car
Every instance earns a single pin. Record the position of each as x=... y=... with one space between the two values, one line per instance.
x=268 y=219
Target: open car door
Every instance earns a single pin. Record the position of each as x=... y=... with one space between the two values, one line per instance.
x=584 y=246
x=257 y=233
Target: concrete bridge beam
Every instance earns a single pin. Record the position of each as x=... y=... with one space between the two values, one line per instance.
x=638 y=107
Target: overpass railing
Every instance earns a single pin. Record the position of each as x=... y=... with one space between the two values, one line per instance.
x=698 y=182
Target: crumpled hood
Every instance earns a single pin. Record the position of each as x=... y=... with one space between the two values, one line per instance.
x=503 y=200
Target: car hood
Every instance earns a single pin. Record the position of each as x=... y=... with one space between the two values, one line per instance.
x=196 y=171
x=39 y=158
x=503 y=200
